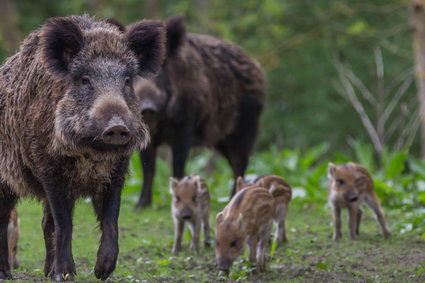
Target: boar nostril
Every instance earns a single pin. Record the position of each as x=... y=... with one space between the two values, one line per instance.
x=116 y=135
x=186 y=217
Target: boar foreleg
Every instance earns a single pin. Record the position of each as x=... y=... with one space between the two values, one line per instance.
x=353 y=220
x=107 y=208
x=206 y=226
x=195 y=229
x=336 y=213
x=8 y=202
x=61 y=207
x=178 y=235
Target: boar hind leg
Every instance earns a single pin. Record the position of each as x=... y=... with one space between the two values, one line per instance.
x=252 y=246
x=281 y=212
x=180 y=154
x=178 y=235
x=373 y=201
x=237 y=158
x=237 y=146
x=107 y=208
x=61 y=208
x=7 y=203
x=49 y=233
x=147 y=157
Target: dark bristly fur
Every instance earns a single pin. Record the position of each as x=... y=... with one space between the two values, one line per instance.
x=208 y=93
x=69 y=122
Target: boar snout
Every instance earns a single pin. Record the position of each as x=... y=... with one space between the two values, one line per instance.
x=116 y=133
x=352 y=196
x=186 y=215
x=223 y=265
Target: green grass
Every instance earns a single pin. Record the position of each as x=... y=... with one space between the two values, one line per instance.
x=310 y=255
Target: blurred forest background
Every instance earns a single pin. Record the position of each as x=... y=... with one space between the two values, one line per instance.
x=337 y=71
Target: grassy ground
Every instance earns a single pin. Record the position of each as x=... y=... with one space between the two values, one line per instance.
x=309 y=256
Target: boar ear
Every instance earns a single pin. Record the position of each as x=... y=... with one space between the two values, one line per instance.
x=61 y=40
x=200 y=185
x=147 y=40
x=173 y=184
x=273 y=189
x=331 y=170
x=219 y=218
x=239 y=183
x=176 y=34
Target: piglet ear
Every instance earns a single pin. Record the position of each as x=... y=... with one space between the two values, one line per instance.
x=219 y=218
x=61 y=40
x=331 y=170
x=147 y=40
x=173 y=184
x=239 y=183
x=200 y=185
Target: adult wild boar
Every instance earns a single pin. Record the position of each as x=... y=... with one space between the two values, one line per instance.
x=68 y=123
x=209 y=93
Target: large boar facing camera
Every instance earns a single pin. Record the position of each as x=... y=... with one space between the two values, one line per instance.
x=209 y=93
x=69 y=121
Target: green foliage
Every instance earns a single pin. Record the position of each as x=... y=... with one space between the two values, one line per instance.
x=293 y=40
x=399 y=178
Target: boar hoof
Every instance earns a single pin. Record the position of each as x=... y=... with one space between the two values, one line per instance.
x=387 y=234
x=5 y=274
x=104 y=268
x=207 y=245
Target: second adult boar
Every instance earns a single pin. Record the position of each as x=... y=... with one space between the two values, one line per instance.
x=208 y=93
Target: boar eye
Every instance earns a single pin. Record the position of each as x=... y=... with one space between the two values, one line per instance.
x=234 y=243
x=85 y=80
x=127 y=81
x=340 y=182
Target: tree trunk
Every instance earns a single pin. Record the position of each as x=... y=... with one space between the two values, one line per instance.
x=151 y=9
x=9 y=25
x=417 y=19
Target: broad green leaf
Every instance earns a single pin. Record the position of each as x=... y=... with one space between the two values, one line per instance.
x=395 y=165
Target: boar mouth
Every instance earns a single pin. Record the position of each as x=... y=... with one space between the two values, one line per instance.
x=353 y=199
x=100 y=144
